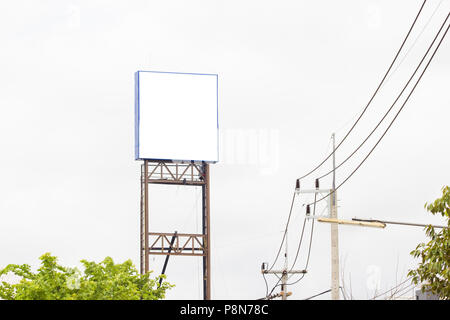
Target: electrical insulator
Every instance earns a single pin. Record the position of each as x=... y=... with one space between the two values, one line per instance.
x=317 y=183
x=308 y=210
x=297 y=184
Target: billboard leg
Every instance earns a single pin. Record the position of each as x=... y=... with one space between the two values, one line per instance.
x=182 y=244
x=206 y=233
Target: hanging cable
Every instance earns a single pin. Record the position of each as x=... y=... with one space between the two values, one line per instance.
x=391 y=107
x=343 y=293
x=319 y=294
x=299 y=244
x=415 y=40
x=297 y=186
x=285 y=231
x=310 y=245
x=373 y=95
x=298 y=249
x=301 y=237
x=393 y=120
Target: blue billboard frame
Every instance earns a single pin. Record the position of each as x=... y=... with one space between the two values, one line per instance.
x=137 y=113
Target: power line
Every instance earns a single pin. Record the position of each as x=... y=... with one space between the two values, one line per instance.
x=373 y=95
x=300 y=243
x=319 y=294
x=310 y=239
x=287 y=284
x=301 y=238
x=298 y=250
x=281 y=246
x=278 y=284
x=393 y=120
x=282 y=242
x=343 y=293
x=376 y=91
x=400 y=63
x=310 y=245
x=285 y=232
x=392 y=106
x=415 y=40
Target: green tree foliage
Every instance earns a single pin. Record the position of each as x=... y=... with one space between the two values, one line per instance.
x=434 y=269
x=99 y=281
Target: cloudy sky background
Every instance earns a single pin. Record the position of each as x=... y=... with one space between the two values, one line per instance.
x=290 y=74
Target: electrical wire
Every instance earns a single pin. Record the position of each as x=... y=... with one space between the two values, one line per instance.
x=415 y=40
x=376 y=91
x=373 y=95
x=277 y=284
x=391 y=107
x=298 y=249
x=319 y=294
x=343 y=293
x=326 y=291
x=399 y=64
x=281 y=246
x=299 y=244
x=307 y=259
x=310 y=240
x=393 y=120
x=285 y=232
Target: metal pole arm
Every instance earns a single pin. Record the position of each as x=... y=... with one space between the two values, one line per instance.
x=376 y=224
x=399 y=223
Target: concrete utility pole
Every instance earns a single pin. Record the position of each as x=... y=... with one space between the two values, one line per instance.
x=334 y=233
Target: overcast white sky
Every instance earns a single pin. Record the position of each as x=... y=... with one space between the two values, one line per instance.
x=290 y=74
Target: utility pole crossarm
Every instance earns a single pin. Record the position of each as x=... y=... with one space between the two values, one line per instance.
x=283 y=271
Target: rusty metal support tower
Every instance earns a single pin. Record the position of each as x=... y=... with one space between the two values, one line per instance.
x=183 y=244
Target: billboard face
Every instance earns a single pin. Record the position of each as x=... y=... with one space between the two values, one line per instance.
x=176 y=116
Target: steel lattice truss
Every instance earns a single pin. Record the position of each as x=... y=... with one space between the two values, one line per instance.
x=175 y=173
x=184 y=244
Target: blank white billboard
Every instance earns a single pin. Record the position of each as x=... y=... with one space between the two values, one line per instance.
x=176 y=116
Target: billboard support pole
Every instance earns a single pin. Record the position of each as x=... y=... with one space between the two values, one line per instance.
x=206 y=232
x=181 y=244
x=144 y=218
